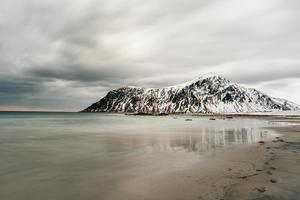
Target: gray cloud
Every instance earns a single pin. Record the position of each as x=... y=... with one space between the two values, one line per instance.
x=55 y=51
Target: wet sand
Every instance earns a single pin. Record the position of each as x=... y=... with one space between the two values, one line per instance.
x=276 y=170
x=266 y=170
x=109 y=157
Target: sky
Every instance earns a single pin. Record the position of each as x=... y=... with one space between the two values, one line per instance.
x=63 y=55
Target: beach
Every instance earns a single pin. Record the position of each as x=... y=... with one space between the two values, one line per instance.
x=265 y=170
x=78 y=156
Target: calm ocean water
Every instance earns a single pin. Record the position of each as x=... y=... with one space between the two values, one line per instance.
x=86 y=156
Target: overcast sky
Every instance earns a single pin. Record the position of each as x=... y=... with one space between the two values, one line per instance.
x=66 y=54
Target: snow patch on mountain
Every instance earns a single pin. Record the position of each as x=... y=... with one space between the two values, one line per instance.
x=209 y=93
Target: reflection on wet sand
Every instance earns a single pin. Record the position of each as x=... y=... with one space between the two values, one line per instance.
x=80 y=156
x=205 y=140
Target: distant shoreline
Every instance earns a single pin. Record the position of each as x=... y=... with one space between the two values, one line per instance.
x=21 y=111
x=259 y=115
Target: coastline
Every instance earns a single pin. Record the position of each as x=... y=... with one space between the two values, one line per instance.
x=269 y=115
x=266 y=170
x=261 y=115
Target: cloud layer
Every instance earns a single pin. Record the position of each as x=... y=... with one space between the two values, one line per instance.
x=63 y=54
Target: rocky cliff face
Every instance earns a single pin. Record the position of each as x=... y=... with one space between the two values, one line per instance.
x=207 y=94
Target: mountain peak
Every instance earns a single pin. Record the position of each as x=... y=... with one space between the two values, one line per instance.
x=212 y=76
x=208 y=76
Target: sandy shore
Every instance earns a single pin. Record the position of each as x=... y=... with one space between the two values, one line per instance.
x=266 y=170
x=276 y=169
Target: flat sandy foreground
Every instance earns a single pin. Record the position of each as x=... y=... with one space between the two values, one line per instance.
x=263 y=171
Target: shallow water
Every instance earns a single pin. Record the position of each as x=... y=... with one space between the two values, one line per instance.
x=86 y=156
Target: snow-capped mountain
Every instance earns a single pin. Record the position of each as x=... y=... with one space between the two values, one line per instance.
x=209 y=93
